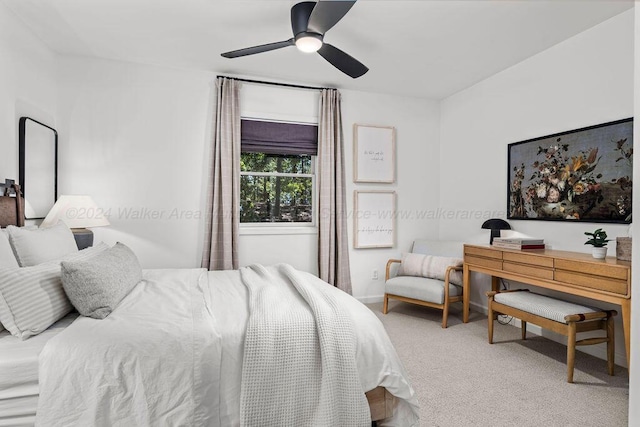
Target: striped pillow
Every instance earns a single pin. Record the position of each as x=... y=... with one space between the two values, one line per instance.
x=430 y=266
x=32 y=298
x=7 y=258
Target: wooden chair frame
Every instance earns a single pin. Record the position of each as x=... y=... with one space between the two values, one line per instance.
x=600 y=320
x=447 y=298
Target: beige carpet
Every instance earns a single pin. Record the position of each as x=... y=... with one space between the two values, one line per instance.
x=462 y=380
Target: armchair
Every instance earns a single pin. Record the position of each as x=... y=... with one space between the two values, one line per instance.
x=435 y=283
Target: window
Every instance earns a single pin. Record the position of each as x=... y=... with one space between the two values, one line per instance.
x=277 y=172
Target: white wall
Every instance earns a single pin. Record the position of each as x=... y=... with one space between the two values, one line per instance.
x=418 y=172
x=135 y=138
x=634 y=377
x=585 y=80
x=27 y=86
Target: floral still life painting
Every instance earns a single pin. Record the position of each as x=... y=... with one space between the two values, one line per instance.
x=580 y=175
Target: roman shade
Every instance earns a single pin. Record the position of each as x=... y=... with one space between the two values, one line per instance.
x=259 y=136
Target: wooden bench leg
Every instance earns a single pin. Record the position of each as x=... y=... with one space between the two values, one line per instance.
x=385 y=305
x=523 y=325
x=571 y=351
x=610 y=345
x=490 y=320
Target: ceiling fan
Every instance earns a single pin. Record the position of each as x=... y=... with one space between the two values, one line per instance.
x=309 y=22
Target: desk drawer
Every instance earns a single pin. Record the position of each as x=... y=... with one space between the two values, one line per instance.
x=484 y=262
x=483 y=252
x=593 y=282
x=528 y=270
x=595 y=268
x=525 y=258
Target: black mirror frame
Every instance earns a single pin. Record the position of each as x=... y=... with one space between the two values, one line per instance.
x=22 y=154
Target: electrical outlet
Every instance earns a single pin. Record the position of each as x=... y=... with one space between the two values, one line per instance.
x=374 y=275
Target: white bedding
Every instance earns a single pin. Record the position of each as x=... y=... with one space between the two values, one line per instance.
x=171 y=354
x=19 y=373
x=312 y=382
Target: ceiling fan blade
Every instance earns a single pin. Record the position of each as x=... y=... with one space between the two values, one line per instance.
x=342 y=61
x=259 y=49
x=327 y=13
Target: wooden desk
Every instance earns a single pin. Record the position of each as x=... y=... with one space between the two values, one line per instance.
x=574 y=273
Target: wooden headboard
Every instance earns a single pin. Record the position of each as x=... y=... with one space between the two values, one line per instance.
x=11 y=207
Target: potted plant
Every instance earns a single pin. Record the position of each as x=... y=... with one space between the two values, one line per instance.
x=599 y=241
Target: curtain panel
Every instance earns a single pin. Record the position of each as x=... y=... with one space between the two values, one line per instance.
x=333 y=245
x=223 y=193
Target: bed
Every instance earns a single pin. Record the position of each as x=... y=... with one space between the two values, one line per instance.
x=19 y=373
x=186 y=347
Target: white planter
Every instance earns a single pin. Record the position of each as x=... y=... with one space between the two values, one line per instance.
x=599 y=253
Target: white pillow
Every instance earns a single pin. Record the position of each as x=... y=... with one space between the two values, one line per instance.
x=430 y=266
x=32 y=298
x=7 y=258
x=33 y=247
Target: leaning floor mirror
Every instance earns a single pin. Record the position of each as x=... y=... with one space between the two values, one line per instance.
x=38 y=167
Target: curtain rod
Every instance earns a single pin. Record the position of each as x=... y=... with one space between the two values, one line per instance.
x=276 y=84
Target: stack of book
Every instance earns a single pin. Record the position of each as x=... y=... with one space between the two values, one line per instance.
x=518 y=243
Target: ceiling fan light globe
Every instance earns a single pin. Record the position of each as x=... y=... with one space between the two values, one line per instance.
x=308 y=44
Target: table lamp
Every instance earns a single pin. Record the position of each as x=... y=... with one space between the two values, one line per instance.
x=79 y=213
x=495 y=225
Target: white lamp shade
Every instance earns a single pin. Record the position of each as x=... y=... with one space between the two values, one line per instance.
x=76 y=212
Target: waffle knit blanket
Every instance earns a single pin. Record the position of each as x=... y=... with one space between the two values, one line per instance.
x=299 y=365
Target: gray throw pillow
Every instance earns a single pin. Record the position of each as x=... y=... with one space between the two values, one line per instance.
x=96 y=287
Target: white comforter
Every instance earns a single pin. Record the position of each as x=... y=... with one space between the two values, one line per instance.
x=171 y=354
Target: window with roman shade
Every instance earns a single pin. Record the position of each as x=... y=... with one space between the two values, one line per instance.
x=277 y=171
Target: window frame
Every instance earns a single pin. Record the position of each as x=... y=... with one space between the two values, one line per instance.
x=286 y=227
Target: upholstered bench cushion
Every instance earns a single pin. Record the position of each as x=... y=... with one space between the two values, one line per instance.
x=541 y=305
x=422 y=288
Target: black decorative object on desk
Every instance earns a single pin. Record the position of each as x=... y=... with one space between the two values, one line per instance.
x=495 y=225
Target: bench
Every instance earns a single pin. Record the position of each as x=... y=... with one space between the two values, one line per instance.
x=558 y=316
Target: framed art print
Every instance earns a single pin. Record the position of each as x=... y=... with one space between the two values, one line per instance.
x=579 y=175
x=374 y=154
x=374 y=219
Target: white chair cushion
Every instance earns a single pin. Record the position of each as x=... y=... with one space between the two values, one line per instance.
x=421 y=288
x=541 y=305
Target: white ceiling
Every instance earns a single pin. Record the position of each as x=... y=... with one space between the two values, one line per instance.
x=415 y=48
